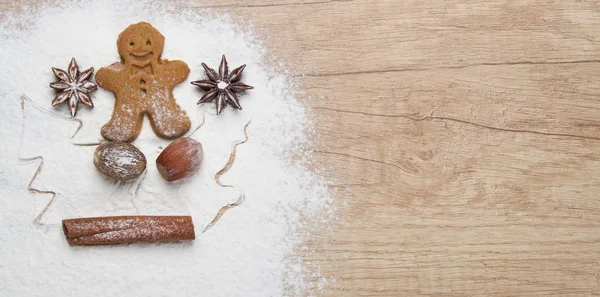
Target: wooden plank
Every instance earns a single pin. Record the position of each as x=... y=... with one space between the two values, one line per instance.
x=341 y=37
x=507 y=214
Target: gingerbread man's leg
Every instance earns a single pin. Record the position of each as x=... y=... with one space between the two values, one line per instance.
x=125 y=124
x=168 y=120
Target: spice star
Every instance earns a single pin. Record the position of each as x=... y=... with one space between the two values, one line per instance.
x=73 y=85
x=222 y=85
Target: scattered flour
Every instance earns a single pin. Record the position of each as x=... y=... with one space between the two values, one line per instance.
x=251 y=251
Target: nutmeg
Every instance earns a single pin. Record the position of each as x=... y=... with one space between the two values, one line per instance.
x=180 y=159
x=119 y=160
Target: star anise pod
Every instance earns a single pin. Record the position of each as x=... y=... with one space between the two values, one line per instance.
x=73 y=85
x=222 y=85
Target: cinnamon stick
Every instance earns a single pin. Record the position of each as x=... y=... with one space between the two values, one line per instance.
x=128 y=229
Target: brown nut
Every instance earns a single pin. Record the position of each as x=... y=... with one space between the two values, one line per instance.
x=180 y=159
x=119 y=160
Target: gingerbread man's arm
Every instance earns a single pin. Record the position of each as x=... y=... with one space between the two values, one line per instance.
x=107 y=76
x=176 y=71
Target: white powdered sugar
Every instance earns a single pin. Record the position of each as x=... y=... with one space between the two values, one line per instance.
x=250 y=251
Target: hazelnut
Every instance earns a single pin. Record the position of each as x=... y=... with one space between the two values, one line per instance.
x=180 y=159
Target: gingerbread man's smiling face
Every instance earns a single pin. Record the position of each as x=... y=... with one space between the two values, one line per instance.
x=140 y=44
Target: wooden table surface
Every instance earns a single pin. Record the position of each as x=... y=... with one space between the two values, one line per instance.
x=463 y=138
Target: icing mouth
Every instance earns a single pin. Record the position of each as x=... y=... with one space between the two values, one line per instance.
x=140 y=57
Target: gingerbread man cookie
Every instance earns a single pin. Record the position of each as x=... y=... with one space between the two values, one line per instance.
x=143 y=84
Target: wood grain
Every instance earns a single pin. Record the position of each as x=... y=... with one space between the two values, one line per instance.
x=463 y=136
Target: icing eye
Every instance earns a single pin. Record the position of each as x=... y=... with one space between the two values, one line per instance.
x=148 y=43
x=131 y=44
